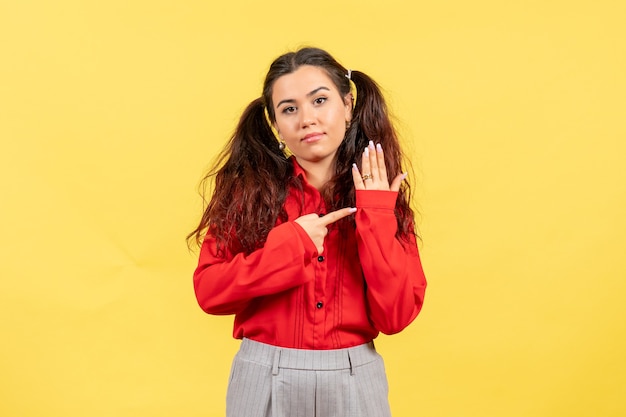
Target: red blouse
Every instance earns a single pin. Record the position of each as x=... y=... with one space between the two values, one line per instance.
x=286 y=294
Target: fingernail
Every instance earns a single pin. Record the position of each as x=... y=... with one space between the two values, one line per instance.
x=355 y=167
x=379 y=148
x=371 y=145
x=404 y=175
x=367 y=151
x=353 y=209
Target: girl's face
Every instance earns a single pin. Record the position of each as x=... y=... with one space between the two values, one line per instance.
x=311 y=115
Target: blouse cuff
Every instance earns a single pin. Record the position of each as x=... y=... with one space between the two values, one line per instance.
x=376 y=199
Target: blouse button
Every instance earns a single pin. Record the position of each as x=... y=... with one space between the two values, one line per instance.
x=320 y=258
x=319 y=304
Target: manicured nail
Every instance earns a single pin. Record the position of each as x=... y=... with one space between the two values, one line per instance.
x=379 y=148
x=371 y=144
x=352 y=209
x=355 y=167
x=367 y=151
x=404 y=175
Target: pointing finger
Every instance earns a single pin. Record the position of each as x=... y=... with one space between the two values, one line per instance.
x=333 y=216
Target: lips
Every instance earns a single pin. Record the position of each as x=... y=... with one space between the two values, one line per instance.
x=312 y=137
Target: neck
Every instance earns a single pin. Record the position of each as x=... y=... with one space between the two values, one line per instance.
x=318 y=173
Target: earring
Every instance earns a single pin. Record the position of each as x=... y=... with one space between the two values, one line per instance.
x=348 y=124
x=281 y=145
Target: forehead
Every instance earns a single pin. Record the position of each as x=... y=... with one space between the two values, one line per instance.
x=301 y=82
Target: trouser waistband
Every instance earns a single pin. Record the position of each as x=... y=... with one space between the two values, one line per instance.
x=305 y=359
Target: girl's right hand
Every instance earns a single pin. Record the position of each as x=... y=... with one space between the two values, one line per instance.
x=316 y=226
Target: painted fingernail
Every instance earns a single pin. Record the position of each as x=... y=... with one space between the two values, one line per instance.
x=379 y=148
x=355 y=167
x=371 y=144
x=367 y=151
x=404 y=175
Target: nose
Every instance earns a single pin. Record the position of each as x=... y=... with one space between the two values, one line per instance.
x=307 y=116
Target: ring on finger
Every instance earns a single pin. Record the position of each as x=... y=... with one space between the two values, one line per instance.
x=367 y=177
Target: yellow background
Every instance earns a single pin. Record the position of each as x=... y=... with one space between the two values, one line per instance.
x=514 y=114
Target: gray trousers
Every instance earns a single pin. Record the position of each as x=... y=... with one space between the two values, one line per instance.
x=268 y=381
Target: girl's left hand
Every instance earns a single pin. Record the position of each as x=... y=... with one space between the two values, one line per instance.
x=374 y=175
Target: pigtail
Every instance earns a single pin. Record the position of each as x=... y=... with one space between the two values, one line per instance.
x=372 y=119
x=250 y=176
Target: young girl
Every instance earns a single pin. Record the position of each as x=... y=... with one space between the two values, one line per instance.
x=314 y=253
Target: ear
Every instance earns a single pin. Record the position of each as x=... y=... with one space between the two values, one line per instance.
x=348 y=101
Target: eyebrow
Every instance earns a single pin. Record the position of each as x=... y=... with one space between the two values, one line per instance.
x=290 y=100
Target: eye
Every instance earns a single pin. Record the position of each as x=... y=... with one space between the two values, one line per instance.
x=288 y=109
x=320 y=100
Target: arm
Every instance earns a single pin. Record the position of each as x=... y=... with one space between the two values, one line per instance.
x=392 y=269
x=226 y=285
